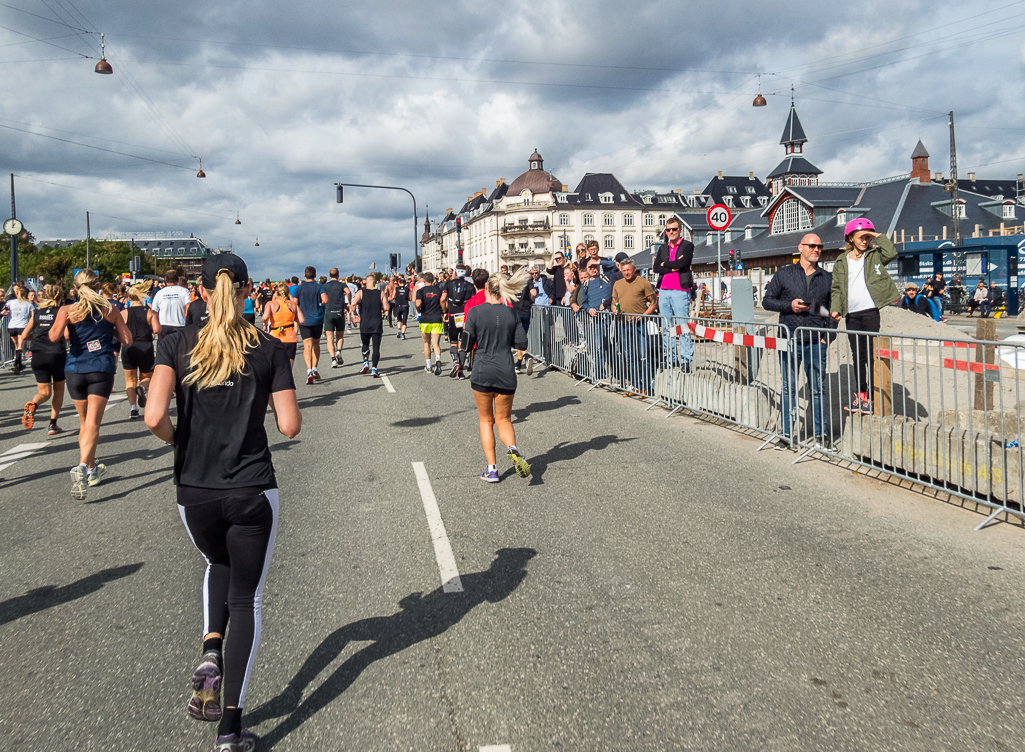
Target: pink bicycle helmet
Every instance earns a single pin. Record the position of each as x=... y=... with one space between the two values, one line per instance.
x=857 y=224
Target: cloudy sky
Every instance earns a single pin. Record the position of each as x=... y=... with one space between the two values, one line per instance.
x=281 y=100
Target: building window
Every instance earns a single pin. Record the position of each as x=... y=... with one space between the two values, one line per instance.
x=751 y=189
x=649 y=220
x=628 y=242
x=728 y=200
x=588 y=239
x=563 y=219
x=523 y=221
x=661 y=220
x=791 y=216
x=763 y=200
x=628 y=220
x=747 y=232
x=841 y=218
x=731 y=189
x=539 y=244
x=533 y=165
x=523 y=246
x=609 y=220
x=961 y=209
x=649 y=240
x=610 y=242
x=1008 y=211
x=605 y=198
x=589 y=220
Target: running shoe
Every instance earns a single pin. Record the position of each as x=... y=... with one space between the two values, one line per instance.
x=461 y=376
x=521 y=465
x=140 y=395
x=373 y=372
x=334 y=362
x=519 y=366
x=530 y=366
x=28 y=419
x=339 y=359
x=78 y=486
x=309 y=379
x=365 y=369
x=437 y=368
x=491 y=476
x=427 y=369
x=316 y=374
x=242 y=742
x=93 y=474
x=16 y=368
x=133 y=414
x=403 y=335
x=452 y=373
x=54 y=429
x=205 y=704
x=398 y=335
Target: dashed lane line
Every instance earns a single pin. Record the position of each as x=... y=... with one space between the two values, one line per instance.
x=497 y=748
x=19 y=452
x=387 y=384
x=450 y=582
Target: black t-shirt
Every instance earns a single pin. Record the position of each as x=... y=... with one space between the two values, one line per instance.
x=496 y=330
x=336 y=295
x=402 y=296
x=42 y=321
x=370 y=312
x=459 y=291
x=430 y=305
x=220 y=440
x=197 y=313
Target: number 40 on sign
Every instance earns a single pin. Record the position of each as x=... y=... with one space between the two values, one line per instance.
x=719 y=217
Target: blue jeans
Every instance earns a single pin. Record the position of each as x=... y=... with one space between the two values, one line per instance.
x=635 y=356
x=595 y=334
x=812 y=353
x=675 y=304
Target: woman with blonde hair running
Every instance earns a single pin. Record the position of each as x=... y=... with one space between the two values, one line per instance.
x=48 y=359
x=494 y=328
x=224 y=377
x=282 y=318
x=91 y=325
x=137 y=359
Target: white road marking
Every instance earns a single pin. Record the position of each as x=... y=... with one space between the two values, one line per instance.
x=387 y=384
x=450 y=582
x=497 y=748
x=117 y=398
x=19 y=452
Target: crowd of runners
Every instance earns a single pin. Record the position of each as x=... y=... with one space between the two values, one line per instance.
x=224 y=351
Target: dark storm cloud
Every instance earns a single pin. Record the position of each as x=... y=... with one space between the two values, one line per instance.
x=282 y=100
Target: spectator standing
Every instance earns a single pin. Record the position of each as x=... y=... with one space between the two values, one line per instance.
x=913 y=301
x=801 y=294
x=595 y=291
x=632 y=296
x=939 y=288
x=311 y=297
x=675 y=285
x=169 y=304
x=861 y=286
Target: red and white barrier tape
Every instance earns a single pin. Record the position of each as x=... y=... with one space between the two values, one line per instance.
x=732 y=338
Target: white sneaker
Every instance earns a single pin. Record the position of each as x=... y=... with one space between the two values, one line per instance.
x=93 y=474
x=78 y=475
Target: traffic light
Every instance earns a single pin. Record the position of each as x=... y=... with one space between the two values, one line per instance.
x=459 y=224
x=338 y=194
x=740 y=262
x=731 y=259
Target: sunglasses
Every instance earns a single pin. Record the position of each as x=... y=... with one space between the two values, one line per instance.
x=812 y=246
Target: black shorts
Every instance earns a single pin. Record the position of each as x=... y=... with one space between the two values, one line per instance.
x=290 y=348
x=334 y=322
x=15 y=333
x=451 y=329
x=492 y=389
x=98 y=384
x=48 y=367
x=138 y=356
x=166 y=330
x=250 y=317
x=311 y=332
x=402 y=314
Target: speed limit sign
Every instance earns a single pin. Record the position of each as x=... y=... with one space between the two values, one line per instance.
x=718 y=217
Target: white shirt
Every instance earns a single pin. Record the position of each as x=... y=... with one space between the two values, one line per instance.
x=21 y=313
x=169 y=305
x=858 y=296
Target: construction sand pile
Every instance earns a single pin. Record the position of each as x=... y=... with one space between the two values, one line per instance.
x=893 y=320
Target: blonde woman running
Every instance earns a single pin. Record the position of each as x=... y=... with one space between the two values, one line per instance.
x=282 y=317
x=48 y=360
x=91 y=325
x=137 y=359
x=224 y=377
x=494 y=328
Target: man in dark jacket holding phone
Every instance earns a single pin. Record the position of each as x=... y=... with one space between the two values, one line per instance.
x=675 y=285
x=800 y=293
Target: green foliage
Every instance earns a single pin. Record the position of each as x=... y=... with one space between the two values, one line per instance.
x=109 y=258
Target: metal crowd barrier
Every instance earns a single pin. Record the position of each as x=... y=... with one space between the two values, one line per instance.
x=945 y=414
x=6 y=348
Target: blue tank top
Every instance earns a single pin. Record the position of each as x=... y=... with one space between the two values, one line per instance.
x=92 y=346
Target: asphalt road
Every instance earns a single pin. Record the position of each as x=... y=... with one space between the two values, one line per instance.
x=656 y=585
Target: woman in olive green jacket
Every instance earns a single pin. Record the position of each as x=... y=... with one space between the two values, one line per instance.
x=861 y=286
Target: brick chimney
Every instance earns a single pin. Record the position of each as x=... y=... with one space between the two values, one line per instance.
x=920 y=164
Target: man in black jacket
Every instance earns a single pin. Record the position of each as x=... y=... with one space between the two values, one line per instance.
x=800 y=293
x=675 y=285
x=913 y=301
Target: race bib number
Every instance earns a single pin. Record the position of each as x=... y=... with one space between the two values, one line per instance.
x=94 y=345
x=459 y=319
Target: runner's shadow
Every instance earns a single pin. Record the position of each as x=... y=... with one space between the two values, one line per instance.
x=563 y=451
x=421 y=618
x=522 y=413
x=40 y=599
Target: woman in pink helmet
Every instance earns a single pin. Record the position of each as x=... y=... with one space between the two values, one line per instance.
x=861 y=286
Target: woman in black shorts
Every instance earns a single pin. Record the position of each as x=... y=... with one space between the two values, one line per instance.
x=47 y=360
x=224 y=376
x=137 y=360
x=91 y=325
x=494 y=328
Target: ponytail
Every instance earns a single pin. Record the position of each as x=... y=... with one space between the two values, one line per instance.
x=90 y=301
x=50 y=297
x=220 y=351
x=137 y=293
x=508 y=288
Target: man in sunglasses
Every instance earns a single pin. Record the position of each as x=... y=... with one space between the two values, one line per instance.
x=675 y=287
x=800 y=293
x=596 y=290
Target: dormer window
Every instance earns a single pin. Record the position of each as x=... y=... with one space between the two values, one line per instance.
x=1007 y=211
x=646 y=199
x=748 y=232
x=533 y=165
x=746 y=201
x=960 y=209
x=763 y=200
x=751 y=189
x=605 y=198
x=841 y=218
x=728 y=200
x=731 y=189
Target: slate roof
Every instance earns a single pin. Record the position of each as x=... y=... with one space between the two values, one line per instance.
x=183 y=247
x=991 y=188
x=718 y=188
x=919 y=151
x=592 y=185
x=822 y=195
x=794 y=164
x=793 y=133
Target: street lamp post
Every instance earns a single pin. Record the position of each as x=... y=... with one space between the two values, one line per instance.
x=416 y=251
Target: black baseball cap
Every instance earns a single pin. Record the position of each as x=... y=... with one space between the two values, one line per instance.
x=621 y=257
x=228 y=262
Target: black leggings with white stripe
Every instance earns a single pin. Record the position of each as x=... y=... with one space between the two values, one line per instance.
x=235 y=534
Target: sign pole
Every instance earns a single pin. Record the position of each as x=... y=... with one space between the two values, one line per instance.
x=14 y=240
